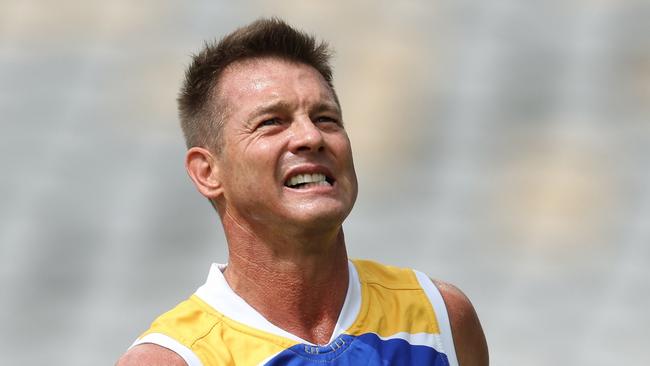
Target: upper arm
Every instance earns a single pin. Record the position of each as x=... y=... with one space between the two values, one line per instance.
x=469 y=340
x=149 y=354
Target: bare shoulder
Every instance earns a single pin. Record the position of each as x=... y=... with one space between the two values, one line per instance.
x=150 y=354
x=469 y=340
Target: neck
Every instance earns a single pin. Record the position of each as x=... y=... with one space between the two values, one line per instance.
x=296 y=282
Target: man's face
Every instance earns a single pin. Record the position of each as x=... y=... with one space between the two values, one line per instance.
x=285 y=158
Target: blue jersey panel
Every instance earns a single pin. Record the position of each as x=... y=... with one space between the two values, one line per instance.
x=367 y=349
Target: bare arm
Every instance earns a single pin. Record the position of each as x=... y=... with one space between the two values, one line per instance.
x=469 y=340
x=148 y=354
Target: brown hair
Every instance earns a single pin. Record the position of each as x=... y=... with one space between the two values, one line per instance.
x=266 y=37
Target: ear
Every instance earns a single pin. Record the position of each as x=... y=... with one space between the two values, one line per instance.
x=202 y=167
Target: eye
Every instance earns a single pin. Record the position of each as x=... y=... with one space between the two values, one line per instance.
x=326 y=119
x=270 y=122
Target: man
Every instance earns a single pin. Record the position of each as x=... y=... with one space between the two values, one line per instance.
x=268 y=148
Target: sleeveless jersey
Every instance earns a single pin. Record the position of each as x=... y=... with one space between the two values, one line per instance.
x=390 y=316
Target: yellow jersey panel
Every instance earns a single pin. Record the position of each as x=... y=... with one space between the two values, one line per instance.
x=392 y=302
x=391 y=316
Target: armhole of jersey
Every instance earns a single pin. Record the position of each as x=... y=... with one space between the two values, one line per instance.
x=438 y=303
x=171 y=344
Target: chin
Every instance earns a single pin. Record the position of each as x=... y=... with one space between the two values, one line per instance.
x=320 y=218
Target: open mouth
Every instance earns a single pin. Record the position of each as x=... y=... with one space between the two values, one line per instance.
x=304 y=181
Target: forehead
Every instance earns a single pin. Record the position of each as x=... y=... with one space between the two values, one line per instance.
x=245 y=84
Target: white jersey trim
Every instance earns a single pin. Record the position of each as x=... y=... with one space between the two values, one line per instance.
x=351 y=305
x=418 y=339
x=171 y=344
x=217 y=293
x=440 y=308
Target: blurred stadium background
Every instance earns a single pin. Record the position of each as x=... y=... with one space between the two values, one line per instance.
x=503 y=146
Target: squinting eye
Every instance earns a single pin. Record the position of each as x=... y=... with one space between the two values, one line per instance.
x=326 y=119
x=270 y=122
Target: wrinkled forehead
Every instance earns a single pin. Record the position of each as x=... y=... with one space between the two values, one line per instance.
x=247 y=81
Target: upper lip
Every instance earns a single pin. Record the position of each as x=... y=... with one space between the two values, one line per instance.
x=308 y=169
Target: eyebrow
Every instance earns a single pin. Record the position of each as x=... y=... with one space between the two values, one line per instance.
x=326 y=107
x=276 y=106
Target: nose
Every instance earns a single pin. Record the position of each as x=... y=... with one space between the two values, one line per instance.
x=306 y=136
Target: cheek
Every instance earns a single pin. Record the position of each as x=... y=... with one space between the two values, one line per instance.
x=263 y=148
x=258 y=160
x=344 y=152
x=341 y=145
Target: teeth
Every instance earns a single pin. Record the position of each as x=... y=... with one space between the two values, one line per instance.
x=307 y=178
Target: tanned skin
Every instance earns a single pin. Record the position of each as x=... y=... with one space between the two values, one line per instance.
x=287 y=255
x=469 y=340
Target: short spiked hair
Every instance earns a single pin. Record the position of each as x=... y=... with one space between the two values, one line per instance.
x=201 y=120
